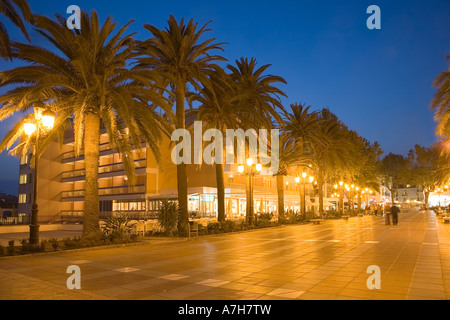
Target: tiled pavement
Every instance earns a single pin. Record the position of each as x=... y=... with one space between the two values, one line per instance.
x=311 y=262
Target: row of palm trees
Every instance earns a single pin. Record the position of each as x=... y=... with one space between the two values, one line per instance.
x=101 y=77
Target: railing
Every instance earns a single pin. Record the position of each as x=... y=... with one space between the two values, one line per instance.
x=25 y=220
x=115 y=167
x=103 y=147
x=106 y=191
x=71 y=154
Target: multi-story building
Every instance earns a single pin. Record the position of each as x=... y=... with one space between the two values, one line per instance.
x=61 y=185
x=409 y=195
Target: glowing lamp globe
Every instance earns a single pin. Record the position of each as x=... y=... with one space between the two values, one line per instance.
x=29 y=128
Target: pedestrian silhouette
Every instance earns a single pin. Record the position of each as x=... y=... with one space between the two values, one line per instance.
x=387 y=217
x=395 y=211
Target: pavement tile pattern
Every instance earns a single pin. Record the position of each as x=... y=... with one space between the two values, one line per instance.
x=309 y=262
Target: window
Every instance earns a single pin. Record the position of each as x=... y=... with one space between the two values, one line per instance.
x=23 y=179
x=24 y=159
x=106 y=206
x=23 y=198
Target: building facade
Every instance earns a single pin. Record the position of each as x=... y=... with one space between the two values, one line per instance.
x=62 y=179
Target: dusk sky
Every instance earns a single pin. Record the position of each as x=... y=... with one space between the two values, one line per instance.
x=378 y=82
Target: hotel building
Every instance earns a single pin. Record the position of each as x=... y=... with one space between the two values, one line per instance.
x=62 y=179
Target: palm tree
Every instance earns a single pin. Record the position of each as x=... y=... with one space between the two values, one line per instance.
x=300 y=130
x=180 y=56
x=257 y=94
x=8 y=9
x=219 y=110
x=331 y=154
x=441 y=103
x=90 y=85
x=256 y=91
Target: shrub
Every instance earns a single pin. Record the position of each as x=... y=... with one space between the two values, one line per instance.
x=72 y=243
x=333 y=214
x=202 y=230
x=265 y=216
x=25 y=246
x=168 y=215
x=214 y=228
x=11 y=248
x=55 y=244
x=263 y=223
x=310 y=215
x=228 y=226
x=43 y=245
x=116 y=229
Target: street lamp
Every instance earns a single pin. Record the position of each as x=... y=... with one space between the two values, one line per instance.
x=339 y=186
x=43 y=121
x=250 y=170
x=303 y=179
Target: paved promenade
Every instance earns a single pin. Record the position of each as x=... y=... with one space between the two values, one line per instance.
x=327 y=261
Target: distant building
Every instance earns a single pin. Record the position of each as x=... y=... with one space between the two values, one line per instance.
x=409 y=195
x=8 y=201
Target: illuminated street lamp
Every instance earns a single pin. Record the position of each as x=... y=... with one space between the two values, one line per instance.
x=340 y=188
x=43 y=121
x=303 y=180
x=250 y=170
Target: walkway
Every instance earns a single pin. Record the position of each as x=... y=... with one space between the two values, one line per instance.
x=326 y=261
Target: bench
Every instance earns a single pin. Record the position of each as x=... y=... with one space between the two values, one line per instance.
x=360 y=215
x=345 y=217
x=316 y=221
x=446 y=219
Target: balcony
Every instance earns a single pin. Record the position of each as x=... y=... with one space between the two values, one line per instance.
x=105 y=149
x=77 y=195
x=104 y=171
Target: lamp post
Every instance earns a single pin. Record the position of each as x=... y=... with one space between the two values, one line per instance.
x=340 y=191
x=250 y=169
x=303 y=179
x=42 y=121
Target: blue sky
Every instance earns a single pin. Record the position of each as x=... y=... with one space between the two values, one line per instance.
x=379 y=82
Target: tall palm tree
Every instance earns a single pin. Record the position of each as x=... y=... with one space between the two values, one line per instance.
x=441 y=103
x=257 y=90
x=88 y=82
x=8 y=9
x=331 y=154
x=300 y=130
x=257 y=93
x=219 y=110
x=179 y=55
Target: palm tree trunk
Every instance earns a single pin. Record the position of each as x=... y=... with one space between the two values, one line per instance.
x=91 y=156
x=280 y=192
x=426 y=197
x=182 y=183
x=220 y=193
x=320 y=189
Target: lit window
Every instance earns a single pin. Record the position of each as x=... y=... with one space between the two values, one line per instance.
x=23 y=179
x=24 y=159
x=23 y=198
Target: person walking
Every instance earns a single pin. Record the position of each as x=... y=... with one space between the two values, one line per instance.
x=387 y=217
x=395 y=211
